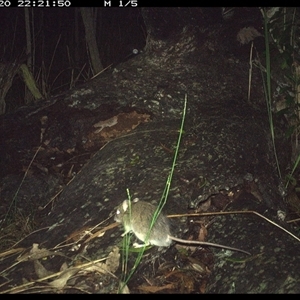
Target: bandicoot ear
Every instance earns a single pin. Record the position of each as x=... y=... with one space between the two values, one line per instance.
x=125 y=205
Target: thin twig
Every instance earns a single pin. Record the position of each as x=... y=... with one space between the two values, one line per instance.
x=236 y=212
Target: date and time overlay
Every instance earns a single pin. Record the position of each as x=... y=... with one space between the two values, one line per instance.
x=64 y=3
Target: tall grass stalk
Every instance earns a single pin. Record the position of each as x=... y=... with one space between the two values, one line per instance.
x=268 y=89
x=162 y=202
x=281 y=27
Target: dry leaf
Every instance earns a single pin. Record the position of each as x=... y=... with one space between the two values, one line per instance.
x=116 y=126
x=113 y=260
x=111 y=264
x=203 y=286
x=36 y=253
x=247 y=34
x=198 y=265
x=61 y=281
x=40 y=270
x=184 y=281
x=63 y=267
x=154 y=289
x=106 y=123
x=202 y=233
